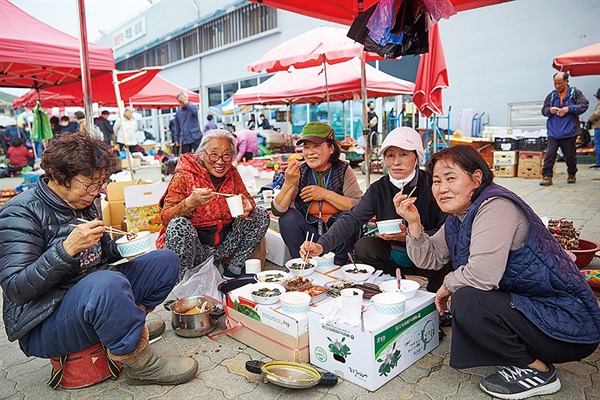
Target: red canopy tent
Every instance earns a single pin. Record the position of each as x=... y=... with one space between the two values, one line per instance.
x=584 y=61
x=160 y=93
x=307 y=85
x=103 y=92
x=344 y=11
x=35 y=55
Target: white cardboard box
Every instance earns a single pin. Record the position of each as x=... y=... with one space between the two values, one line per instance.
x=506 y=157
x=386 y=347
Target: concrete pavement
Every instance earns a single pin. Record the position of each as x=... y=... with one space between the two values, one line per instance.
x=222 y=374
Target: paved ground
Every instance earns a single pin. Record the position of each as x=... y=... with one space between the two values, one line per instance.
x=222 y=374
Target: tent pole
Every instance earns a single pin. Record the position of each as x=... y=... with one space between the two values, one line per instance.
x=327 y=93
x=86 y=78
x=363 y=88
x=122 y=117
x=344 y=119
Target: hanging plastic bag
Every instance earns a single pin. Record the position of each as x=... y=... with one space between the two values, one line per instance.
x=439 y=9
x=199 y=281
x=381 y=21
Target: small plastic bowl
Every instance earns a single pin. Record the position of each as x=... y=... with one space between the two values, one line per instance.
x=390 y=304
x=408 y=288
x=358 y=277
x=266 y=299
x=389 y=226
x=272 y=276
x=295 y=302
x=585 y=254
x=308 y=269
x=324 y=262
x=132 y=248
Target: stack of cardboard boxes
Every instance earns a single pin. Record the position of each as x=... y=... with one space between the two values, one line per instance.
x=505 y=164
x=530 y=164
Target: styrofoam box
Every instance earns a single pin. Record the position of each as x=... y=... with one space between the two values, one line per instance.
x=277 y=251
x=387 y=346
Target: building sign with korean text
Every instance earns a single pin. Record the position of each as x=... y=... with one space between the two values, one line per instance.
x=128 y=33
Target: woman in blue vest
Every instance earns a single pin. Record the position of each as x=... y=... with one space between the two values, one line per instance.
x=316 y=191
x=518 y=300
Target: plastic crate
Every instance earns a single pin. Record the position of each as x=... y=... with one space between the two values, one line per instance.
x=506 y=144
x=533 y=144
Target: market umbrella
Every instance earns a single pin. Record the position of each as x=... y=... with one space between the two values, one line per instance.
x=584 y=61
x=159 y=93
x=103 y=91
x=432 y=77
x=345 y=11
x=35 y=55
x=307 y=85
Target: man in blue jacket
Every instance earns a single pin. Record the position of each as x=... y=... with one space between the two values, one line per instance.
x=563 y=107
x=187 y=128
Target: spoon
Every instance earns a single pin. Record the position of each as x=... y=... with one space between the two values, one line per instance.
x=399 y=279
x=352 y=261
x=375 y=276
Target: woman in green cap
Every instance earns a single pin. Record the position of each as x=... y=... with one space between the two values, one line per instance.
x=316 y=192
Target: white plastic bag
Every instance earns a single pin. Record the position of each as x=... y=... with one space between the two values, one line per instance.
x=202 y=280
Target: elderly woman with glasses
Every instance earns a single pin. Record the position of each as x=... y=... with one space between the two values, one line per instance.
x=195 y=216
x=61 y=295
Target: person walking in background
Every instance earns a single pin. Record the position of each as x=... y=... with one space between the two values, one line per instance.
x=247 y=144
x=187 y=128
x=210 y=123
x=264 y=122
x=126 y=133
x=595 y=121
x=252 y=122
x=105 y=126
x=172 y=130
x=563 y=107
x=373 y=120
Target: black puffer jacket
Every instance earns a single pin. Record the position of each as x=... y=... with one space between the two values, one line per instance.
x=35 y=269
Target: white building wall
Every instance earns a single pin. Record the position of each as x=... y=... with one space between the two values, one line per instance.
x=503 y=54
x=495 y=55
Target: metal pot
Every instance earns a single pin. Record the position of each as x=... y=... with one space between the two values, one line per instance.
x=196 y=324
x=291 y=375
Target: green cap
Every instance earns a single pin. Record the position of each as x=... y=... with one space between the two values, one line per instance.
x=316 y=132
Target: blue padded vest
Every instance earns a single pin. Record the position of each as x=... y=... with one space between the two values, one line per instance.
x=543 y=281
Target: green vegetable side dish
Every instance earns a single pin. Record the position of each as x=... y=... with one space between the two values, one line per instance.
x=356 y=270
x=267 y=292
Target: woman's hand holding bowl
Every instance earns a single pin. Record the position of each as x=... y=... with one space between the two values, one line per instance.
x=83 y=237
x=248 y=207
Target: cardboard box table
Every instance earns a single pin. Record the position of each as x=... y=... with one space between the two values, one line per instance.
x=386 y=347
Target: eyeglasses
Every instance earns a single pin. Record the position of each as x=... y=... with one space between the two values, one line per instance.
x=92 y=188
x=224 y=157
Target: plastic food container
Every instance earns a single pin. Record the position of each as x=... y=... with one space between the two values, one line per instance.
x=324 y=262
x=408 y=288
x=295 y=302
x=390 y=303
x=317 y=293
x=358 y=276
x=389 y=226
x=290 y=285
x=294 y=264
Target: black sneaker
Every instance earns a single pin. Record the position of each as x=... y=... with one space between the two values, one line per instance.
x=521 y=383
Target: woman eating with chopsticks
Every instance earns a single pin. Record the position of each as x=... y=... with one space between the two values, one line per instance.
x=316 y=192
x=402 y=152
x=195 y=216
x=61 y=296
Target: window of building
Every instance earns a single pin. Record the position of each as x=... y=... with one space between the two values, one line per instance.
x=214 y=95
x=228 y=28
x=229 y=89
x=248 y=83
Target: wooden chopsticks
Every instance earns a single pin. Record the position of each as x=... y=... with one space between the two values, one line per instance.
x=305 y=260
x=108 y=227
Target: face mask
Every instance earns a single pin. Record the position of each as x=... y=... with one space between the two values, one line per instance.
x=400 y=183
x=64 y=124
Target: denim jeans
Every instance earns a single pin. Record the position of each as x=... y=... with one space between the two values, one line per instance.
x=597 y=145
x=104 y=307
x=293 y=228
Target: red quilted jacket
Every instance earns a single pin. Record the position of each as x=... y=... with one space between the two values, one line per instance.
x=212 y=220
